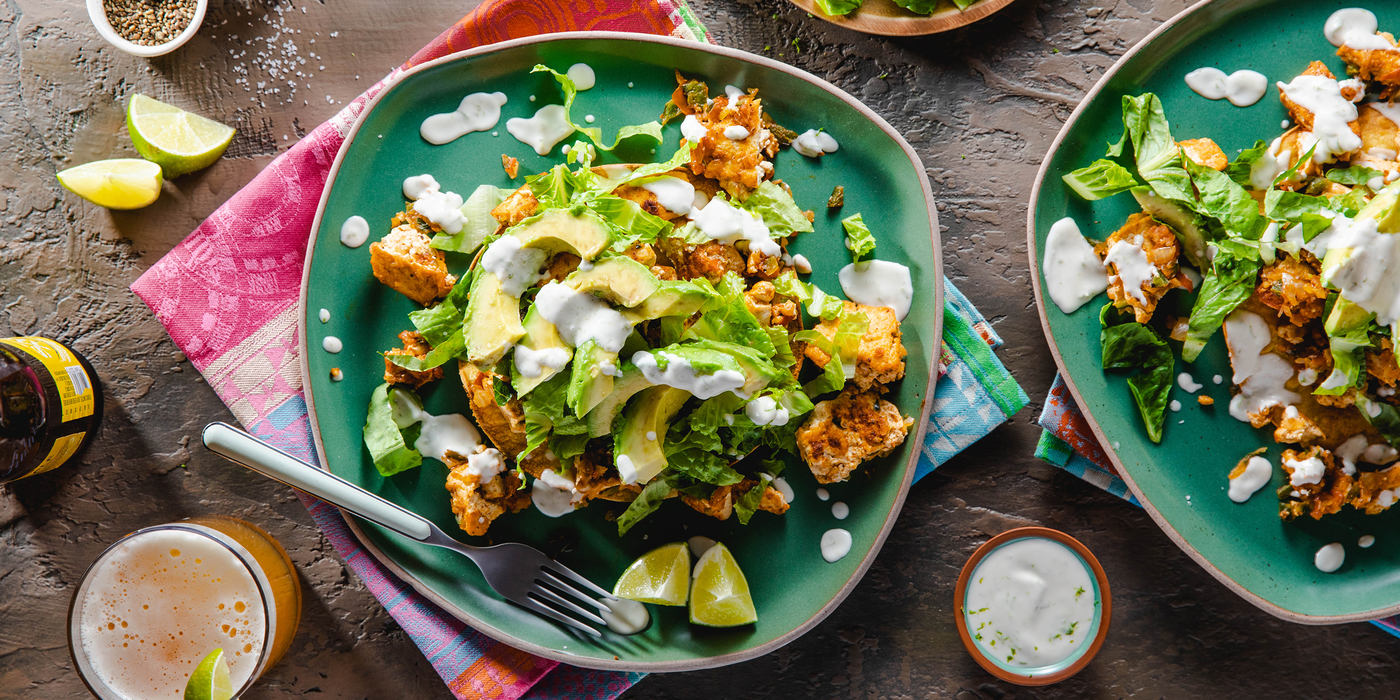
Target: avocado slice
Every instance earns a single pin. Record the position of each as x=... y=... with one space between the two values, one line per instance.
x=640 y=441
x=492 y=322
x=1346 y=317
x=539 y=335
x=625 y=385
x=621 y=280
x=592 y=377
x=671 y=298
x=1188 y=226
x=560 y=230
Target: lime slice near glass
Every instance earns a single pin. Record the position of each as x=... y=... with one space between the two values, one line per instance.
x=176 y=140
x=719 y=595
x=661 y=576
x=120 y=183
x=210 y=679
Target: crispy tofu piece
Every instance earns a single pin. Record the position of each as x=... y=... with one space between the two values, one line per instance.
x=596 y=478
x=843 y=432
x=1204 y=152
x=738 y=165
x=1325 y=497
x=1377 y=491
x=648 y=201
x=1374 y=64
x=1293 y=288
x=720 y=504
x=1380 y=363
x=1295 y=428
x=511 y=165
x=1302 y=116
x=1378 y=132
x=1162 y=249
x=519 y=206
x=504 y=425
x=477 y=504
x=709 y=260
x=880 y=357
x=773 y=501
x=404 y=261
x=413 y=346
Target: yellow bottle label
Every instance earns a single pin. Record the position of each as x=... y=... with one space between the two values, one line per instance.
x=63 y=448
x=74 y=385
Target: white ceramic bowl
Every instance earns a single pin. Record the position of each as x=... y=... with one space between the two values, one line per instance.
x=98 y=14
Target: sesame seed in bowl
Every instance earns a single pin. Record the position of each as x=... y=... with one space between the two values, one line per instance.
x=147 y=28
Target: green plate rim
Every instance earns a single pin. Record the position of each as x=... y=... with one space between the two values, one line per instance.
x=917 y=436
x=1124 y=470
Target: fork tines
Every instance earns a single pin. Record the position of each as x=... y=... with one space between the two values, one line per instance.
x=547 y=598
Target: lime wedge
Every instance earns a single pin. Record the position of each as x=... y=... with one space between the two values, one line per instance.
x=210 y=679
x=661 y=576
x=121 y=183
x=176 y=140
x=719 y=595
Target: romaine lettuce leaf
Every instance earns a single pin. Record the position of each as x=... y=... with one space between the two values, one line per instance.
x=1226 y=285
x=1104 y=178
x=1355 y=175
x=746 y=505
x=647 y=501
x=480 y=224
x=838 y=7
x=1132 y=346
x=818 y=303
x=1348 y=361
x=546 y=411
x=842 y=348
x=386 y=443
x=698 y=455
x=1224 y=199
x=1242 y=169
x=650 y=130
x=454 y=346
x=771 y=203
x=858 y=238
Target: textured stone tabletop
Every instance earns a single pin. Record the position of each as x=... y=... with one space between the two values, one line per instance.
x=980 y=105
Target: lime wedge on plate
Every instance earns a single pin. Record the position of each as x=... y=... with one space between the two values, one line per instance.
x=719 y=596
x=176 y=140
x=661 y=576
x=121 y=183
x=210 y=679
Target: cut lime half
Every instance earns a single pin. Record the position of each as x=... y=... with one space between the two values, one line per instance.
x=176 y=140
x=661 y=576
x=210 y=679
x=719 y=595
x=121 y=183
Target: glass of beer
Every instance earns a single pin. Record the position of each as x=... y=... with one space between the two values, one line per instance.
x=157 y=601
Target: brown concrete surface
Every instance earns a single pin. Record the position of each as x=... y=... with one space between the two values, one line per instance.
x=981 y=106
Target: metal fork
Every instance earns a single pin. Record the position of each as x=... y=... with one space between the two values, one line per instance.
x=518 y=572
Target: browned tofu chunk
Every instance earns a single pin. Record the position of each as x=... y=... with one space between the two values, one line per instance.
x=1377 y=491
x=880 y=358
x=1380 y=363
x=1293 y=288
x=404 y=261
x=519 y=206
x=1141 y=238
x=1317 y=485
x=511 y=165
x=1302 y=116
x=413 y=346
x=709 y=260
x=476 y=503
x=720 y=504
x=1378 y=132
x=738 y=164
x=1204 y=152
x=845 y=431
x=1381 y=66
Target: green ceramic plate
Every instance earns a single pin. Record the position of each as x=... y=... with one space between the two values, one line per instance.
x=1182 y=481
x=793 y=587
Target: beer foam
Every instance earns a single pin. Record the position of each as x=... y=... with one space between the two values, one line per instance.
x=159 y=603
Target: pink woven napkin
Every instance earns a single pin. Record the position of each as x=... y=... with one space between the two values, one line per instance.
x=228 y=295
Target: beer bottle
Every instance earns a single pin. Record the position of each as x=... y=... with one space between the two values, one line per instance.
x=50 y=405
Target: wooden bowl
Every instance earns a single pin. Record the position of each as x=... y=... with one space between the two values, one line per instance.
x=888 y=19
x=1105 y=606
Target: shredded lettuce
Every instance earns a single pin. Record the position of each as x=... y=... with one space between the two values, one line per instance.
x=1355 y=175
x=650 y=130
x=746 y=505
x=630 y=225
x=858 y=238
x=818 y=303
x=1133 y=346
x=1242 y=169
x=647 y=501
x=1224 y=199
x=387 y=444
x=771 y=203
x=677 y=159
x=454 y=346
x=1228 y=284
x=842 y=349
x=1298 y=208
x=1386 y=420
x=1104 y=178
x=546 y=411
x=839 y=7
x=699 y=455
x=440 y=322
x=480 y=224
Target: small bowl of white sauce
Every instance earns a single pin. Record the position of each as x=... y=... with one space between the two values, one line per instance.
x=1032 y=606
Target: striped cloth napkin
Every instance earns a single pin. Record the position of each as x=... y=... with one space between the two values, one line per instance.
x=228 y=296
x=1067 y=442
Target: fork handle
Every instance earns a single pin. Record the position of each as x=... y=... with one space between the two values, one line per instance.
x=241 y=448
